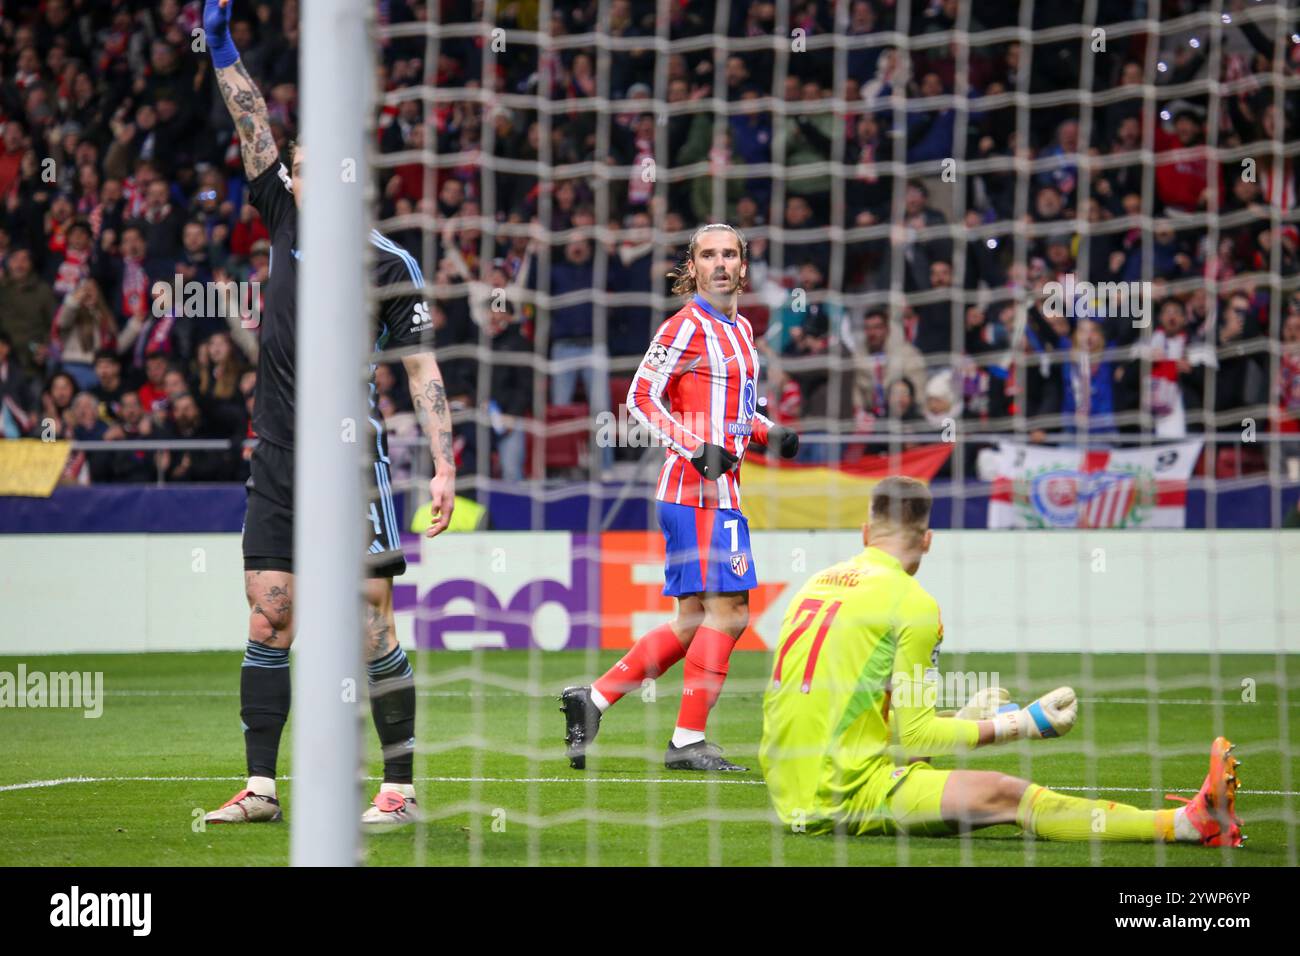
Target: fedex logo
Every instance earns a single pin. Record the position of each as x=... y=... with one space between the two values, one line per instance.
x=511 y=591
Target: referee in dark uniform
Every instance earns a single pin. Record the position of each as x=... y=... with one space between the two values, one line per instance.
x=275 y=186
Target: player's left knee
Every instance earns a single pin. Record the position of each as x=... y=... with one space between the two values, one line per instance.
x=736 y=620
x=1006 y=793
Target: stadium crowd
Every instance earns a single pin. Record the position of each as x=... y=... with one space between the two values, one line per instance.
x=119 y=169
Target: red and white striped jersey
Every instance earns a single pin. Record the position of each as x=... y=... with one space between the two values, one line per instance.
x=706 y=367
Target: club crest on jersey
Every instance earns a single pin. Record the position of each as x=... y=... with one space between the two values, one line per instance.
x=739 y=564
x=657 y=357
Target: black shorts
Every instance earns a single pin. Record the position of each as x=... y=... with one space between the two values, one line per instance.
x=268 y=525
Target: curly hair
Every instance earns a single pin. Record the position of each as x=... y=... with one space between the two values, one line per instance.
x=683 y=281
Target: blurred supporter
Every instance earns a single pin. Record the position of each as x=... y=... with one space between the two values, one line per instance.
x=153 y=396
x=1096 y=387
x=134 y=465
x=903 y=408
x=187 y=423
x=511 y=403
x=15 y=412
x=1178 y=359
x=56 y=407
x=88 y=426
x=109 y=387
x=1287 y=395
x=220 y=368
x=27 y=307
x=943 y=406
x=149 y=190
x=884 y=357
x=82 y=327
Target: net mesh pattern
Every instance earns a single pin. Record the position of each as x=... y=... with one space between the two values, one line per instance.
x=939 y=165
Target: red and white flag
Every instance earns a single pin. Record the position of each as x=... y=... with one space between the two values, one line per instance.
x=1040 y=486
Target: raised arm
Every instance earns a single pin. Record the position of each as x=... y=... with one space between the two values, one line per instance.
x=243 y=98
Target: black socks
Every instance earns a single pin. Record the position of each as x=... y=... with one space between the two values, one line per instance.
x=264 y=692
x=392 y=704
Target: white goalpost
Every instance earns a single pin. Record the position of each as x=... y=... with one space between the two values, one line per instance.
x=330 y=420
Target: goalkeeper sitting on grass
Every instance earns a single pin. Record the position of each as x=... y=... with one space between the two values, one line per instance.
x=851 y=707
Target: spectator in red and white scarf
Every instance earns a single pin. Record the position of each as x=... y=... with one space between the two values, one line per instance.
x=1288 y=384
x=1177 y=369
x=68 y=269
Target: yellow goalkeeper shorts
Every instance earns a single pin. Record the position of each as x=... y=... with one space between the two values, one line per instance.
x=895 y=799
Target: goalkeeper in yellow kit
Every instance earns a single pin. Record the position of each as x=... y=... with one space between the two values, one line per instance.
x=849 y=717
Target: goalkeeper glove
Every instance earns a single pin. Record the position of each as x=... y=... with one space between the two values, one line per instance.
x=784 y=439
x=713 y=461
x=1052 y=715
x=216 y=25
x=984 y=705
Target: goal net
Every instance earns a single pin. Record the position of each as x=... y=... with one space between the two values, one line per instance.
x=1045 y=262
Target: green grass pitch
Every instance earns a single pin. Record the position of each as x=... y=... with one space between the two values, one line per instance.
x=512 y=799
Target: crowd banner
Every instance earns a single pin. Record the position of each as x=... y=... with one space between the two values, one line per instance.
x=30 y=467
x=1041 y=486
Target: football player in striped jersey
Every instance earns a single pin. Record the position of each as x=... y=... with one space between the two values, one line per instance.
x=696 y=390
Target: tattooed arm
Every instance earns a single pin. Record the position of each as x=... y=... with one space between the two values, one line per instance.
x=243 y=98
x=429 y=396
x=248 y=110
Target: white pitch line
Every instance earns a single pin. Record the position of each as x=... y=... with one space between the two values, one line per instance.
x=38 y=784
x=1141 y=701
x=1182 y=702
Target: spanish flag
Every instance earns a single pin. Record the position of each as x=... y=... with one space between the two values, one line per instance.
x=787 y=495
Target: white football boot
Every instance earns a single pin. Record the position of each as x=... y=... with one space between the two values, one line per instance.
x=394 y=805
x=256 y=803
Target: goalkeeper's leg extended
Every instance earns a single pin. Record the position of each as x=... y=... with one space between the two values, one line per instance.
x=970 y=799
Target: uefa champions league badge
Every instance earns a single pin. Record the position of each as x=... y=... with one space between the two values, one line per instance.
x=657 y=356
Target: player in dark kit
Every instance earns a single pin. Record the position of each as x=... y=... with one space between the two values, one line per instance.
x=276 y=190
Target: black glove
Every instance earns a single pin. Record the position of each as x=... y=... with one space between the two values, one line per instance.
x=786 y=440
x=713 y=461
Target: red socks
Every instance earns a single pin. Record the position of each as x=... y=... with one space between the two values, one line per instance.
x=706 y=669
x=653 y=654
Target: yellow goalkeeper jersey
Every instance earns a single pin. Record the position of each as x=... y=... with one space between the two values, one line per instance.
x=853 y=687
